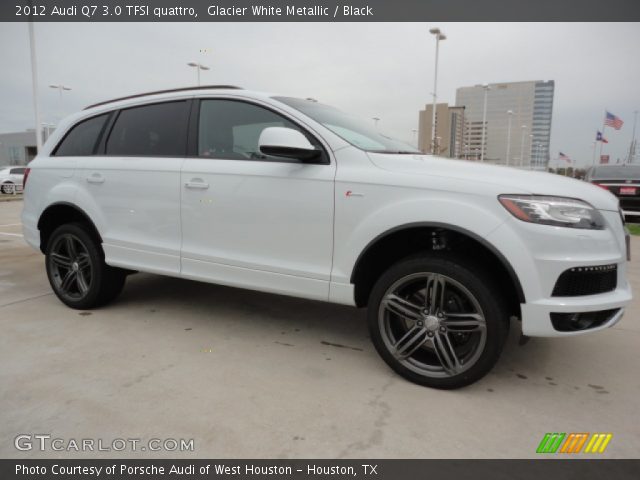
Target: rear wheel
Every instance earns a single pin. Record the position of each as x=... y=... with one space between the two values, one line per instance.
x=76 y=269
x=7 y=187
x=437 y=321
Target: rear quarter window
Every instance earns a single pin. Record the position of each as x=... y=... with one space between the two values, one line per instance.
x=157 y=130
x=82 y=138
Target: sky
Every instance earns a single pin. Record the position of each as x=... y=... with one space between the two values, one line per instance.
x=382 y=70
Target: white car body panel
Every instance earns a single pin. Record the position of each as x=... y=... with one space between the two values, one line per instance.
x=299 y=229
x=136 y=202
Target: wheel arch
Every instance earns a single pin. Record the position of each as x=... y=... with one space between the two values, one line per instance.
x=58 y=214
x=423 y=231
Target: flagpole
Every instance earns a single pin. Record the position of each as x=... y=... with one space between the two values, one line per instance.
x=604 y=125
x=595 y=144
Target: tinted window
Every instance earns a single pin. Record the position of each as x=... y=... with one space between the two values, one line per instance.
x=82 y=139
x=156 y=130
x=17 y=171
x=231 y=129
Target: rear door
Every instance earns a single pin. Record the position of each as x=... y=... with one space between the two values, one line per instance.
x=133 y=184
x=253 y=220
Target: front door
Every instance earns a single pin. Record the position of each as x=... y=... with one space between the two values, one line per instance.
x=252 y=220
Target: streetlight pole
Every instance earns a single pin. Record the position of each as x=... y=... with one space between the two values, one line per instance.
x=484 y=121
x=524 y=128
x=375 y=121
x=509 y=114
x=439 y=36
x=60 y=88
x=531 y=148
x=34 y=85
x=634 y=144
x=413 y=135
x=198 y=67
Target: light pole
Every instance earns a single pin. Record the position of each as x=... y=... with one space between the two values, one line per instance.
x=524 y=129
x=634 y=144
x=198 y=67
x=530 y=148
x=484 y=120
x=509 y=115
x=439 y=36
x=413 y=136
x=61 y=88
x=34 y=85
x=375 y=121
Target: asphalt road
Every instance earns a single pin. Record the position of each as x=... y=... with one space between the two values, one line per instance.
x=252 y=375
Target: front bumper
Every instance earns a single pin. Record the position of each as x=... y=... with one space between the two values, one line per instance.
x=539 y=254
x=536 y=316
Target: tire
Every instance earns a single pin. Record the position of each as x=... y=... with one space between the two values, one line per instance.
x=7 y=188
x=76 y=270
x=445 y=341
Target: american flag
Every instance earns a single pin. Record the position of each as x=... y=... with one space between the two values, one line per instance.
x=564 y=157
x=611 y=120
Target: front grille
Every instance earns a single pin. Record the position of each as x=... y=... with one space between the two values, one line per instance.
x=575 y=322
x=586 y=281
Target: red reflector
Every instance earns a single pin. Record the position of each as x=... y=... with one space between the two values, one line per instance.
x=24 y=179
x=601 y=186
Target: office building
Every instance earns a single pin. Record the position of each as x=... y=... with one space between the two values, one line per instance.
x=449 y=130
x=531 y=106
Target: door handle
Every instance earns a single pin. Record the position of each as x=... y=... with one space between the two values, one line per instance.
x=199 y=184
x=95 y=178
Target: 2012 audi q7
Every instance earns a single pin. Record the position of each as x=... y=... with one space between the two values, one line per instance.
x=294 y=197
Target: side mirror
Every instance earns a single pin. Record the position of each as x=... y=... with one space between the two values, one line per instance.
x=287 y=142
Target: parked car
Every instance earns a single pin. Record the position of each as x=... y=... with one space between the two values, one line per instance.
x=621 y=180
x=290 y=196
x=11 y=179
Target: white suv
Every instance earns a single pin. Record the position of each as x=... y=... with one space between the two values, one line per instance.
x=290 y=196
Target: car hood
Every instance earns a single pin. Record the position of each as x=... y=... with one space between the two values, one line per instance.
x=505 y=179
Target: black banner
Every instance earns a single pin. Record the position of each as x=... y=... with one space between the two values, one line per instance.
x=543 y=469
x=318 y=11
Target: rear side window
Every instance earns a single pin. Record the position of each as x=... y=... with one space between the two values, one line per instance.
x=157 y=130
x=17 y=171
x=82 y=139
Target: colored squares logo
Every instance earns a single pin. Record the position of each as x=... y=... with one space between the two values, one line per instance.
x=574 y=443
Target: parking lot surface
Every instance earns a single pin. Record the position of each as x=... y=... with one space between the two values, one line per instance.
x=253 y=375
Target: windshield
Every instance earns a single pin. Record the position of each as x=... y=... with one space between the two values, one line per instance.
x=354 y=130
x=616 y=172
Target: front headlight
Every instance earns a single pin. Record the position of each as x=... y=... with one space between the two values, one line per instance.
x=557 y=211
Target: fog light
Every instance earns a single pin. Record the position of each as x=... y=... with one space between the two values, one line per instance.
x=575 y=322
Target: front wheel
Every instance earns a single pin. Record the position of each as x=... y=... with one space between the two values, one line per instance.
x=437 y=321
x=7 y=188
x=76 y=269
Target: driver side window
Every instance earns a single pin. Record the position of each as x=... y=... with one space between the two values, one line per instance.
x=229 y=129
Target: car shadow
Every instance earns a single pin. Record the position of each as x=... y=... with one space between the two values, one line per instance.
x=203 y=304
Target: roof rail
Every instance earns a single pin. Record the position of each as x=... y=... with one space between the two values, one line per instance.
x=171 y=90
